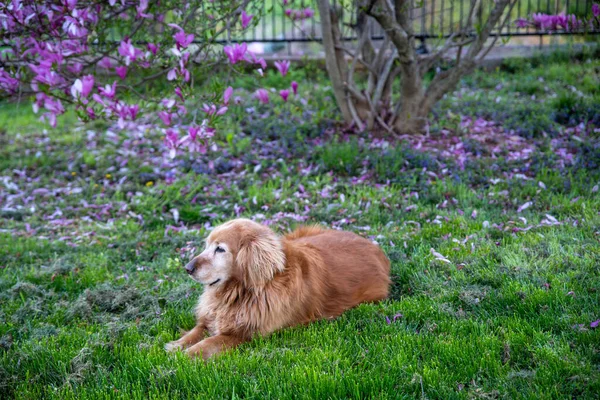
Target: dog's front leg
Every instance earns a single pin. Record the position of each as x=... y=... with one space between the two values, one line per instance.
x=190 y=338
x=213 y=345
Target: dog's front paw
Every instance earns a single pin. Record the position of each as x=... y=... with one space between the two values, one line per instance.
x=173 y=346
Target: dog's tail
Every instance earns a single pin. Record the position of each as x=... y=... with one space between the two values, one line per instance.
x=304 y=231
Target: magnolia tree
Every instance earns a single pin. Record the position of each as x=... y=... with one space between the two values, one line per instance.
x=96 y=56
x=376 y=103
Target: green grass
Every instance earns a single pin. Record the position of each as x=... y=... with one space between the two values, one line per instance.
x=86 y=308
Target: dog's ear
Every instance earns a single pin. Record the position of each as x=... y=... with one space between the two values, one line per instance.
x=260 y=257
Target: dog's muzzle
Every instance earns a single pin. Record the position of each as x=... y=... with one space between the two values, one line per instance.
x=191 y=267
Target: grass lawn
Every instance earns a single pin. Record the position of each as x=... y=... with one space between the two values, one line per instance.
x=491 y=222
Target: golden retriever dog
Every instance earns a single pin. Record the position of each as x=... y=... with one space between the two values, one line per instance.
x=256 y=282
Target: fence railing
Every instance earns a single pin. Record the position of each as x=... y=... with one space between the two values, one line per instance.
x=431 y=19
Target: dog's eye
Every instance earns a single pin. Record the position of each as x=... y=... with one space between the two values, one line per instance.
x=219 y=250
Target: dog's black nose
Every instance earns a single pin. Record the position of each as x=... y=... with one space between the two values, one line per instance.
x=190 y=267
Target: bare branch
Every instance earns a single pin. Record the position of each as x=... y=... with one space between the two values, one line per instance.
x=382 y=80
x=502 y=25
x=378 y=117
x=354 y=114
x=443 y=82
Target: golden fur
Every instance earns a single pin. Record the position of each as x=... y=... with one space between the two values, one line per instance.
x=257 y=282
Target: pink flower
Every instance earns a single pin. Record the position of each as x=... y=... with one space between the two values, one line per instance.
x=127 y=50
x=251 y=58
x=181 y=39
x=7 y=82
x=54 y=106
x=284 y=94
x=179 y=93
x=227 y=95
x=165 y=117
x=262 y=95
x=45 y=75
x=595 y=324
x=308 y=13
x=108 y=90
x=295 y=87
x=75 y=68
x=105 y=63
x=236 y=52
x=172 y=142
x=521 y=23
x=121 y=71
x=196 y=136
x=282 y=66
x=245 y=18
x=133 y=111
x=141 y=8
x=596 y=10
x=172 y=74
x=212 y=109
x=82 y=87
x=153 y=48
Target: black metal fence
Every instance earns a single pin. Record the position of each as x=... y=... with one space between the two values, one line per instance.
x=431 y=19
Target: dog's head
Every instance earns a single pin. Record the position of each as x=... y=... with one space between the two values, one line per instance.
x=240 y=249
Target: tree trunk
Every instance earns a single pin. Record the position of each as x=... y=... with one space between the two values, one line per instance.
x=372 y=106
x=331 y=61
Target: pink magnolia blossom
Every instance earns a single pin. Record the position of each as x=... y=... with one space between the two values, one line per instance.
x=168 y=103
x=262 y=95
x=121 y=71
x=90 y=112
x=284 y=94
x=227 y=95
x=236 y=52
x=105 y=63
x=196 y=134
x=172 y=142
x=596 y=10
x=181 y=39
x=82 y=87
x=252 y=59
x=75 y=68
x=245 y=19
x=308 y=13
x=133 y=111
x=522 y=23
x=165 y=117
x=282 y=67
x=153 y=48
x=54 y=107
x=7 y=82
x=127 y=50
x=108 y=90
x=46 y=75
x=299 y=14
x=141 y=8
x=179 y=93
x=213 y=110
x=295 y=87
